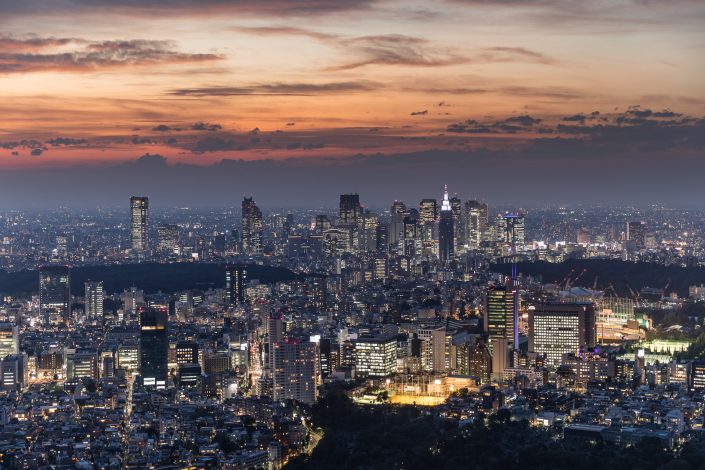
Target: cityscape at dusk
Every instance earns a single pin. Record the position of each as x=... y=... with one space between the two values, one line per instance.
x=352 y=234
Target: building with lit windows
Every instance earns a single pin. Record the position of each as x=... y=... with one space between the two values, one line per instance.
x=499 y=319
x=252 y=231
x=94 y=298
x=167 y=238
x=296 y=371
x=139 y=208
x=558 y=329
x=9 y=340
x=235 y=280
x=154 y=347
x=375 y=356
x=475 y=223
x=54 y=294
x=446 y=232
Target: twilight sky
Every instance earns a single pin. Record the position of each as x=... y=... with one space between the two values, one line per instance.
x=294 y=101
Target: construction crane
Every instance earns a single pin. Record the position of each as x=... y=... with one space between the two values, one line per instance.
x=570 y=283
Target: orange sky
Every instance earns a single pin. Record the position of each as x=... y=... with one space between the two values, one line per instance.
x=199 y=81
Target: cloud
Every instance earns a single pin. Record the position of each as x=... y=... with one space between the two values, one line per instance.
x=419 y=113
x=32 y=43
x=513 y=54
x=285 y=89
x=206 y=126
x=85 y=56
x=162 y=128
x=66 y=141
x=287 y=30
x=396 y=49
x=216 y=144
x=37 y=152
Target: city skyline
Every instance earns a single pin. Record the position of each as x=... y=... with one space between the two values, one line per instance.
x=364 y=93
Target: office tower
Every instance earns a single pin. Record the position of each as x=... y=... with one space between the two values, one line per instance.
x=296 y=371
x=235 y=280
x=446 y=232
x=15 y=371
x=558 y=329
x=456 y=208
x=412 y=233
x=139 y=208
x=428 y=211
x=154 y=347
x=396 y=232
x=167 y=238
x=93 y=298
x=501 y=356
x=475 y=223
x=370 y=222
x=499 y=320
x=350 y=213
x=510 y=229
x=54 y=293
x=636 y=233
x=696 y=376
x=131 y=299
x=186 y=352
x=322 y=223
x=382 y=240
x=325 y=347
x=9 y=340
x=375 y=356
x=252 y=231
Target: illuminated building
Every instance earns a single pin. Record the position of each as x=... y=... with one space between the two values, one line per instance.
x=139 y=208
x=54 y=294
x=350 y=212
x=252 y=232
x=511 y=230
x=696 y=376
x=446 y=232
x=167 y=238
x=186 y=352
x=9 y=340
x=83 y=363
x=636 y=233
x=499 y=319
x=93 y=298
x=296 y=371
x=154 y=347
x=558 y=329
x=456 y=207
x=375 y=356
x=475 y=223
x=235 y=280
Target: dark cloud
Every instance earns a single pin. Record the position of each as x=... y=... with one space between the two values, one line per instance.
x=37 y=152
x=216 y=144
x=32 y=43
x=25 y=143
x=206 y=126
x=66 y=141
x=419 y=113
x=556 y=93
x=292 y=89
x=575 y=118
x=162 y=128
x=90 y=56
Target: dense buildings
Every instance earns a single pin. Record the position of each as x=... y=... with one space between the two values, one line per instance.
x=252 y=231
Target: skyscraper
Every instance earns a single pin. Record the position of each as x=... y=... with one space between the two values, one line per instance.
x=235 y=280
x=475 y=223
x=93 y=298
x=139 y=208
x=252 y=232
x=499 y=321
x=511 y=229
x=54 y=293
x=396 y=229
x=375 y=356
x=558 y=329
x=446 y=233
x=154 y=347
x=636 y=233
x=456 y=208
x=350 y=212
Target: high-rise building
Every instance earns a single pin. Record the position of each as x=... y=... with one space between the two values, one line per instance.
x=55 y=293
x=510 y=230
x=433 y=348
x=499 y=320
x=396 y=228
x=93 y=298
x=139 y=208
x=456 y=208
x=636 y=233
x=446 y=232
x=186 y=352
x=558 y=329
x=252 y=231
x=375 y=356
x=296 y=371
x=475 y=223
x=235 y=280
x=9 y=340
x=382 y=240
x=167 y=238
x=154 y=347
x=350 y=213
